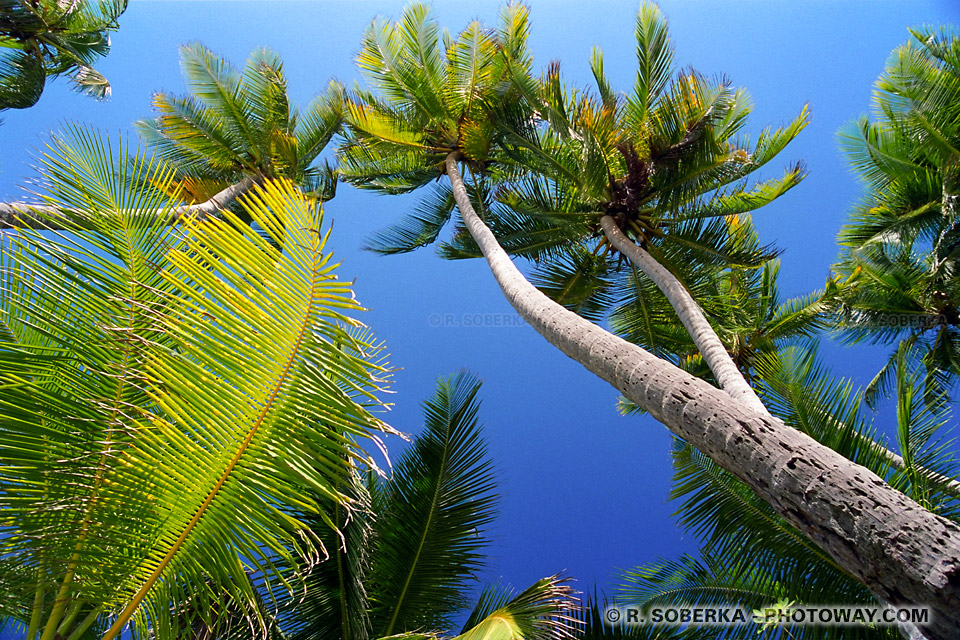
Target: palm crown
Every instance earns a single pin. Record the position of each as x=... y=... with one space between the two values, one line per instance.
x=436 y=100
x=47 y=38
x=897 y=275
x=669 y=163
x=241 y=124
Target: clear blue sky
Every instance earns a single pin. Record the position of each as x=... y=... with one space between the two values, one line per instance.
x=584 y=490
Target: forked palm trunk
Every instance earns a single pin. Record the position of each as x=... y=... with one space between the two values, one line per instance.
x=711 y=348
x=905 y=554
x=19 y=215
x=688 y=311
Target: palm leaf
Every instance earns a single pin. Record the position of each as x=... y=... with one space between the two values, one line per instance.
x=188 y=400
x=439 y=497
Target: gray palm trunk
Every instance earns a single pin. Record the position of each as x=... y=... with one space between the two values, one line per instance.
x=688 y=311
x=905 y=554
x=22 y=215
x=711 y=348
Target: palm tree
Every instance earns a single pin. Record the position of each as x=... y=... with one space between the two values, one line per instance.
x=666 y=166
x=166 y=398
x=408 y=559
x=897 y=273
x=45 y=38
x=771 y=559
x=235 y=131
x=239 y=124
x=655 y=173
x=438 y=113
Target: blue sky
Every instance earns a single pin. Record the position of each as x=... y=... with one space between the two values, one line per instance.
x=584 y=489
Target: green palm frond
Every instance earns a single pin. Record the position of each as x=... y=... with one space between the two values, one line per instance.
x=417 y=229
x=22 y=78
x=540 y=612
x=921 y=429
x=439 y=498
x=47 y=38
x=655 y=61
x=578 y=280
x=742 y=583
x=334 y=601
x=169 y=395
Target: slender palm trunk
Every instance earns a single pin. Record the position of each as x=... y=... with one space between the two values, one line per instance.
x=688 y=311
x=14 y=215
x=711 y=348
x=905 y=554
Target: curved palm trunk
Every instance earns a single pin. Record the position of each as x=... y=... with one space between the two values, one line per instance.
x=688 y=311
x=712 y=349
x=905 y=554
x=19 y=215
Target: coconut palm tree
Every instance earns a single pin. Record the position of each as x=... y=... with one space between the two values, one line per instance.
x=234 y=131
x=47 y=38
x=437 y=114
x=654 y=174
x=407 y=561
x=238 y=124
x=166 y=399
x=771 y=560
x=898 y=269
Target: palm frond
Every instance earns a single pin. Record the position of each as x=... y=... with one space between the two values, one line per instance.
x=189 y=385
x=438 y=500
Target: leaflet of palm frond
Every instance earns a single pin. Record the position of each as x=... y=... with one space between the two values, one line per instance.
x=923 y=437
x=579 y=280
x=438 y=501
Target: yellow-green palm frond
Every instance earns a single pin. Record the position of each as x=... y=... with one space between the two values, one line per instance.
x=169 y=396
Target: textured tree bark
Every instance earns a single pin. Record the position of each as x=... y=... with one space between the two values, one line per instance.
x=905 y=554
x=691 y=316
x=14 y=215
x=712 y=349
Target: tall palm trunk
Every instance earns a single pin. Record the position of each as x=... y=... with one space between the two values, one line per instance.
x=14 y=215
x=688 y=311
x=715 y=354
x=905 y=554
